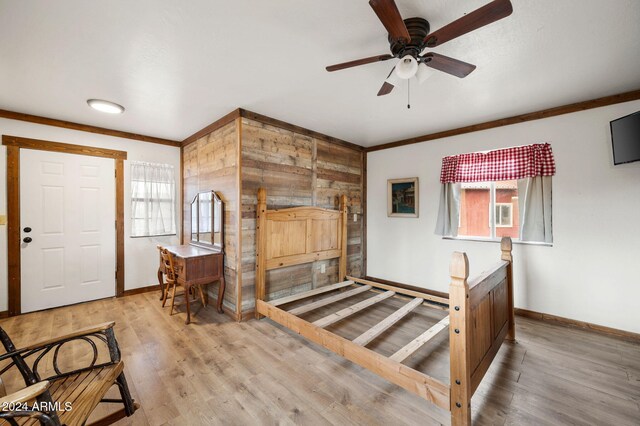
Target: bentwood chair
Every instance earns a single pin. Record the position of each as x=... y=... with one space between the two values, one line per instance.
x=66 y=385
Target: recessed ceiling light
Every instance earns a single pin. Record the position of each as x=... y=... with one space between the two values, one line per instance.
x=105 y=106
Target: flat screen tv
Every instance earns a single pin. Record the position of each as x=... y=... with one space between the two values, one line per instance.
x=625 y=135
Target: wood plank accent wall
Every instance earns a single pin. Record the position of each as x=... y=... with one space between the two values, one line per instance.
x=297 y=169
x=243 y=151
x=211 y=162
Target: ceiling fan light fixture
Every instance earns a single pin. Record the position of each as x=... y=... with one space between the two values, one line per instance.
x=423 y=73
x=407 y=67
x=105 y=106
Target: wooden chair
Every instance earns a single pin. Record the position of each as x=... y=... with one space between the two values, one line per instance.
x=171 y=278
x=65 y=397
x=169 y=271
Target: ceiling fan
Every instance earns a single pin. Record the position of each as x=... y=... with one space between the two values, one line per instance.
x=409 y=37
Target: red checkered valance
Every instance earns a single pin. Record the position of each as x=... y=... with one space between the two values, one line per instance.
x=503 y=164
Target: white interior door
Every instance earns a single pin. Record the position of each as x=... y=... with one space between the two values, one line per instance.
x=68 y=201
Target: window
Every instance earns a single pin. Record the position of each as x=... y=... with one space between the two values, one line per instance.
x=153 y=201
x=475 y=205
x=493 y=194
x=477 y=202
x=503 y=215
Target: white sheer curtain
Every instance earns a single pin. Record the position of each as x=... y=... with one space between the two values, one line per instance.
x=534 y=202
x=153 y=199
x=449 y=210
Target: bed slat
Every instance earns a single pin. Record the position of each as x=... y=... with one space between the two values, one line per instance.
x=386 y=323
x=330 y=319
x=314 y=292
x=412 y=380
x=404 y=291
x=329 y=300
x=420 y=341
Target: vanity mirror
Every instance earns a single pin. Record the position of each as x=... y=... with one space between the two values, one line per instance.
x=207 y=220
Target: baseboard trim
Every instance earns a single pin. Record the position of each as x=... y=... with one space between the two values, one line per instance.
x=154 y=287
x=567 y=322
x=247 y=315
x=4 y=314
x=140 y=290
x=213 y=296
x=229 y=312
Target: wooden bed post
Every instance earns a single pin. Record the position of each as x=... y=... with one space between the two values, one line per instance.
x=261 y=256
x=506 y=247
x=343 y=238
x=459 y=341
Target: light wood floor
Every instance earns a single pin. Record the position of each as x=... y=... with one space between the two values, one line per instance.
x=216 y=371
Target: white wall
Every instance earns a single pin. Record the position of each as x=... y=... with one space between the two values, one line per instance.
x=141 y=258
x=592 y=271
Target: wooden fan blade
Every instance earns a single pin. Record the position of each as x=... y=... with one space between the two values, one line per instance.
x=487 y=14
x=357 y=62
x=389 y=15
x=448 y=65
x=386 y=87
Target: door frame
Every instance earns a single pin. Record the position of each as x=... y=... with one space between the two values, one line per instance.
x=14 y=144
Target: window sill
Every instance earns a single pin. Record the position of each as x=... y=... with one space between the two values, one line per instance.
x=491 y=240
x=153 y=236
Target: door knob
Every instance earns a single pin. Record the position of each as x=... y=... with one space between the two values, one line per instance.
x=27 y=239
x=27 y=229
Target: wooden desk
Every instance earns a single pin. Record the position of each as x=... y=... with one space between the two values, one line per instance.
x=196 y=266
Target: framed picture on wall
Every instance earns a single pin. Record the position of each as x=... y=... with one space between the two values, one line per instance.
x=402 y=197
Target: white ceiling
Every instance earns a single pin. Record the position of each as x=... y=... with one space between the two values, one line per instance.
x=179 y=65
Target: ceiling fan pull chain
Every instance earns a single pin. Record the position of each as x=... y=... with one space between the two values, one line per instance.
x=409 y=94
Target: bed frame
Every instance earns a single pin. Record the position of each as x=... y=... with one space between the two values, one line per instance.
x=481 y=314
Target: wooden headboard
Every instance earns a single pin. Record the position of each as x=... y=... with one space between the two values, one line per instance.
x=298 y=235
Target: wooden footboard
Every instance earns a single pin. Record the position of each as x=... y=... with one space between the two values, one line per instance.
x=480 y=309
x=481 y=317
